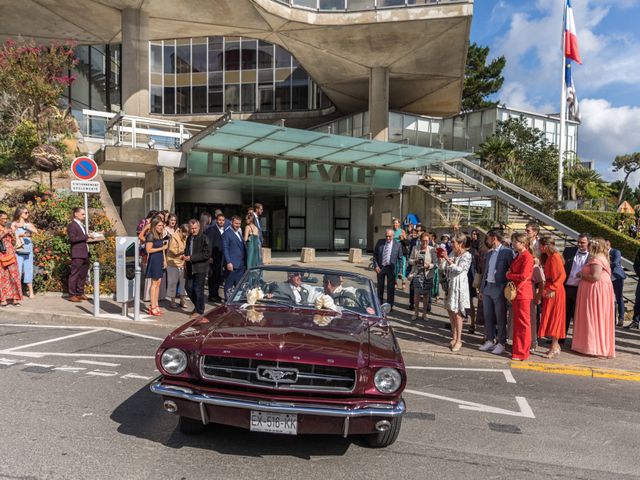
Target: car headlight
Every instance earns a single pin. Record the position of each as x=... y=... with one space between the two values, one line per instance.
x=174 y=361
x=387 y=380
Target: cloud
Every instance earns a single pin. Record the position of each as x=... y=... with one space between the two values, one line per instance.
x=515 y=95
x=607 y=131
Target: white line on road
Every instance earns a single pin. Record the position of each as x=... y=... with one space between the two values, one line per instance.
x=82 y=327
x=524 y=408
x=102 y=364
x=102 y=373
x=135 y=375
x=8 y=361
x=43 y=365
x=86 y=355
x=51 y=340
x=508 y=376
x=69 y=369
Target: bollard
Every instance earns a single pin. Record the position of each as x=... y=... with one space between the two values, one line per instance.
x=96 y=289
x=136 y=292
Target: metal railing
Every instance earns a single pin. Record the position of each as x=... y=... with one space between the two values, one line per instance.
x=360 y=5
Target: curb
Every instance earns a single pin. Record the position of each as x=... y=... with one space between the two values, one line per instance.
x=578 y=370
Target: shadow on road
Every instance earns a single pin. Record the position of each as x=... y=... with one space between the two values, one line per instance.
x=141 y=415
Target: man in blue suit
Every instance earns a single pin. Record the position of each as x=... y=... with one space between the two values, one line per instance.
x=494 y=279
x=386 y=255
x=617 y=277
x=235 y=254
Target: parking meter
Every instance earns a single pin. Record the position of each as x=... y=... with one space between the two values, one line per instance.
x=127 y=257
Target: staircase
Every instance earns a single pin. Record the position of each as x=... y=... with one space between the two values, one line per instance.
x=478 y=198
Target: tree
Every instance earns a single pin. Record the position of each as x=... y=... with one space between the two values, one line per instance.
x=629 y=164
x=586 y=184
x=481 y=79
x=527 y=153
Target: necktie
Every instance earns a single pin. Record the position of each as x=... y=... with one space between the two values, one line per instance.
x=386 y=254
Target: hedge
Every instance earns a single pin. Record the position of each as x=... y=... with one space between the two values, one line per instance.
x=582 y=221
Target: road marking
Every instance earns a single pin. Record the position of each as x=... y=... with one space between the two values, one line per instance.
x=523 y=411
x=8 y=361
x=82 y=327
x=135 y=375
x=43 y=365
x=102 y=364
x=51 y=340
x=66 y=368
x=102 y=373
x=508 y=376
x=86 y=355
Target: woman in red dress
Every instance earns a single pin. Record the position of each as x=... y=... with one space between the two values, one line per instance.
x=10 y=285
x=520 y=273
x=553 y=321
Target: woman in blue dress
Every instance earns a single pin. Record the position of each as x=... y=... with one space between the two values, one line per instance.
x=252 y=240
x=155 y=247
x=24 y=250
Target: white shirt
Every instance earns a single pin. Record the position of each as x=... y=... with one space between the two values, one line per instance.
x=81 y=225
x=237 y=232
x=221 y=230
x=491 y=272
x=296 y=292
x=579 y=261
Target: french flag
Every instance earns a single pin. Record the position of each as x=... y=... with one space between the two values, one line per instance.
x=570 y=36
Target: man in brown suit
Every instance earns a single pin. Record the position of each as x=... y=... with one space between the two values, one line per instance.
x=78 y=237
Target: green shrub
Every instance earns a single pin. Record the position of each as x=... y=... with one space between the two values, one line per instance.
x=583 y=221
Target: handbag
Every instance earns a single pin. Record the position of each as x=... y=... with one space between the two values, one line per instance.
x=510 y=291
x=7 y=259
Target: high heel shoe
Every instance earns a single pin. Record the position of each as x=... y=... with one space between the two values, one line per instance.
x=553 y=353
x=456 y=347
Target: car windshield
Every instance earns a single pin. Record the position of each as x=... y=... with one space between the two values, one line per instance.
x=307 y=288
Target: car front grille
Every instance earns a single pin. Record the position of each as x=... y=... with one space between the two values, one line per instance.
x=278 y=375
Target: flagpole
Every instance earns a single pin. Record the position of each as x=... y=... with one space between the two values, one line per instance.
x=563 y=107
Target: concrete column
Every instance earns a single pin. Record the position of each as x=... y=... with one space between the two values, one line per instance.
x=168 y=189
x=132 y=209
x=379 y=103
x=135 y=62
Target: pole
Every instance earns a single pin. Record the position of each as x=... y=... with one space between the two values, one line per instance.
x=136 y=292
x=563 y=109
x=96 y=289
x=86 y=211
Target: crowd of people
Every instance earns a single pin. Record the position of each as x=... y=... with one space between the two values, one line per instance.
x=525 y=289
x=179 y=260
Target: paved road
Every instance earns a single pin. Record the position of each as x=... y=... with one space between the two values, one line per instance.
x=77 y=406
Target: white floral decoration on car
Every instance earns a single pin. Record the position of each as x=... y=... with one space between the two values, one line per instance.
x=322 y=320
x=254 y=295
x=254 y=316
x=325 y=302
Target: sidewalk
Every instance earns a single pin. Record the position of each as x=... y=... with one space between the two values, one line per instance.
x=428 y=338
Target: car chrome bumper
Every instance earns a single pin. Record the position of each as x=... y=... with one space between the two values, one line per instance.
x=373 y=410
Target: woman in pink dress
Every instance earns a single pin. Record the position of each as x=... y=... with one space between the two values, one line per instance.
x=594 y=319
x=10 y=283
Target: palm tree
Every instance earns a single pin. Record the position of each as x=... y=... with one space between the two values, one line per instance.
x=495 y=152
x=585 y=183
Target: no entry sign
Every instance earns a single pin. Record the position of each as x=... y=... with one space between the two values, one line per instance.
x=84 y=168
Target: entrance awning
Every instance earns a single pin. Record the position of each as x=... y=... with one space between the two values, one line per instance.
x=236 y=148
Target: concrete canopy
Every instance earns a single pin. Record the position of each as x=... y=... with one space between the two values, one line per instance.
x=423 y=47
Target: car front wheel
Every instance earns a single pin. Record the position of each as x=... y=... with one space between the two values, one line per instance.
x=190 y=426
x=384 y=439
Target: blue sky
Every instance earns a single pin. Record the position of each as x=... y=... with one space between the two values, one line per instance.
x=528 y=33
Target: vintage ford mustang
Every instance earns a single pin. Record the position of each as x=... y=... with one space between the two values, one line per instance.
x=294 y=351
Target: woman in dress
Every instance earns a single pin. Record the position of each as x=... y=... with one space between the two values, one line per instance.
x=155 y=247
x=175 y=266
x=553 y=321
x=252 y=240
x=171 y=226
x=400 y=236
x=10 y=287
x=457 y=301
x=520 y=274
x=24 y=230
x=423 y=261
x=594 y=319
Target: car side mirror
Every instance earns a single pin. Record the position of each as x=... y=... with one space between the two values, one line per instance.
x=386 y=308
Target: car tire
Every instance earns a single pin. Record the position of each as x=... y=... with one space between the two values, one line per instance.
x=189 y=426
x=384 y=439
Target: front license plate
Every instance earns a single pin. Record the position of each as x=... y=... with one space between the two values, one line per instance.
x=274 y=422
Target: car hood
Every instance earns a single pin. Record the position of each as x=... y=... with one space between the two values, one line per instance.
x=285 y=334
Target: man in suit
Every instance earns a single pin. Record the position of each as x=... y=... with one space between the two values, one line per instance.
x=214 y=235
x=574 y=259
x=235 y=254
x=617 y=277
x=78 y=237
x=386 y=255
x=197 y=254
x=292 y=289
x=494 y=304
x=635 y=323
x=343 y=297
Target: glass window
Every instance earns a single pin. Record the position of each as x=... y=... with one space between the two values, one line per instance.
x=155 y=58
x=183 y=97
x=300 y=90
x=395 y=127
x=216 y=99
x=199 y=58
x=283 y=58
x=80 y=88
x=306 y=3
x=265 y=97
x=169 y=100
x=232 y=54
x=169 y=58
x=216 y=55
x=265 y=55
x=156 y=99
x=283 y=96
x=334 y=4
x=360 y=4
x=248 y=97
x=199 y=99
x=232 y=98
x=183 y=58
x=249 y=54
x=114 y=79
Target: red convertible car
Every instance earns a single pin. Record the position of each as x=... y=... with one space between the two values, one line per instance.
x=294 y=351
